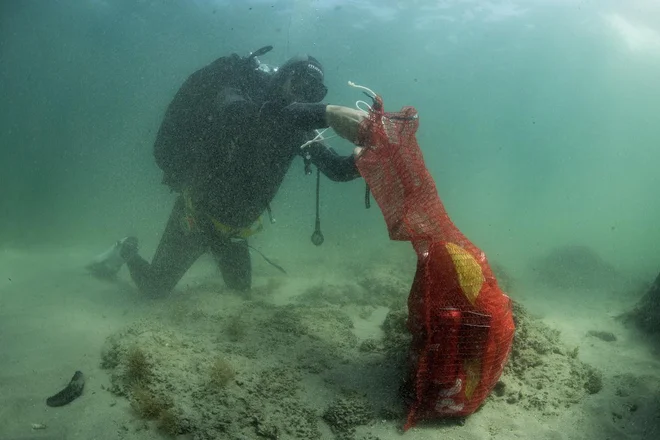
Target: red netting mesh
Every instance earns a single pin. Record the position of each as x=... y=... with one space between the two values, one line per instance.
x=461 y=322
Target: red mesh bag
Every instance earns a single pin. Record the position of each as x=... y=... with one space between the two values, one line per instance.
x=461 y=322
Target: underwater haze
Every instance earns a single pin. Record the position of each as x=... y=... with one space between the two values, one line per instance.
x=538 y=120
x=536 y=117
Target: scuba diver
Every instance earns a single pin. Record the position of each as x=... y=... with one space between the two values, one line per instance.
x=226 y=141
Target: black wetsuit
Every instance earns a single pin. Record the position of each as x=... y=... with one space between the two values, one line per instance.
x=230 y=146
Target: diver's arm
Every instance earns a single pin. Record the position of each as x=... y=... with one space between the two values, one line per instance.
x=310 y=117
x=335 y=167
x=306 y=116
x=345 y=121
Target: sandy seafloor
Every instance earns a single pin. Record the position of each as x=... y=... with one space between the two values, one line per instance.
x=305 y=356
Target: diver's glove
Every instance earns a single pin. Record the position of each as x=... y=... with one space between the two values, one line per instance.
x=345 y=121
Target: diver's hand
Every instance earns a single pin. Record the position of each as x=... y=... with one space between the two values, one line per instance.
x=345 y=121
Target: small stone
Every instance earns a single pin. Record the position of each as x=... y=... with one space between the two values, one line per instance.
x=602 y=335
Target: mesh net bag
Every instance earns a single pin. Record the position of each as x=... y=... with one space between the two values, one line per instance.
x=461 y=322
